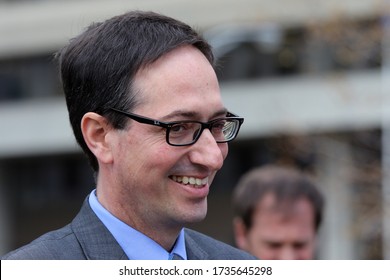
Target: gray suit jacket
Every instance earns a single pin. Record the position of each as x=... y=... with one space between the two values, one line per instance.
x=86 y=238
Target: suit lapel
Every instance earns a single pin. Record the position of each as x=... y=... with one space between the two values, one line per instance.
x=194 y=251
x=95 y=240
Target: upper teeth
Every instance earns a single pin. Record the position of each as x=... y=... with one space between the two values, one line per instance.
x=190 y=180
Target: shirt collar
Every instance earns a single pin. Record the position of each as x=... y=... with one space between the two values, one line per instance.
x=135 y=244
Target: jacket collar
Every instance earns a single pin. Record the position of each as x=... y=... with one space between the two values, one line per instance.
x=94 y=238
x=194 y=250
x=98 y=243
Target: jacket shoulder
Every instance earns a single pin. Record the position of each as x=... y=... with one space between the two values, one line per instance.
x=60 y=244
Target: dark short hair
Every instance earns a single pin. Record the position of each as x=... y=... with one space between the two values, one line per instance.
x=287 y=184
x=98 y=66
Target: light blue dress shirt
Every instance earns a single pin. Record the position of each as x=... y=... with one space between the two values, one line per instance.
x=135 y=244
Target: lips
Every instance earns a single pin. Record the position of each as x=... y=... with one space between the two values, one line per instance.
x=189 y=180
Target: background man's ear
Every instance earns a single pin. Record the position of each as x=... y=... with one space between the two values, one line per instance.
x=95 y=129
x=240 y=233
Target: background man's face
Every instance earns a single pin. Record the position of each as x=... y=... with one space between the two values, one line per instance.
x=282 y=230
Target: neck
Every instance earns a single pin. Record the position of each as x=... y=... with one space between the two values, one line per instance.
x=162 y=232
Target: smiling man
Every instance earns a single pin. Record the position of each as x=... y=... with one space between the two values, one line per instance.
x=145 y=106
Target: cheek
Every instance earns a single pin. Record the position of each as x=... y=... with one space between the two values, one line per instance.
x=164 y=149
x=163 y=153
x=160 y=157
x=146 y=146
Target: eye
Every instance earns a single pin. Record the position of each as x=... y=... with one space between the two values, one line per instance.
x=299 y=245
x=184 y=129
x=274 y=245
x=219 y=126
x=179 y=128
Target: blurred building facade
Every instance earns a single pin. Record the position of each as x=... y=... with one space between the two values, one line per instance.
x=308 y=76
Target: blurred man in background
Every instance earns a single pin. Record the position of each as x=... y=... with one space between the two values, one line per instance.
x=278 y=211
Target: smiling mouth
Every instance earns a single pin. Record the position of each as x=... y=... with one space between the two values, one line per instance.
x=196 y=182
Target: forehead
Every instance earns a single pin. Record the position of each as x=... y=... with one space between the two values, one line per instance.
x=182 y=79
x=299 y=211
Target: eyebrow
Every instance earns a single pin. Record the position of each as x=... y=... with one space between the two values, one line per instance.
x=190 y=115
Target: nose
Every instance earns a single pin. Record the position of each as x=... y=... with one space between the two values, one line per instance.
x=207 y=152
x=287 y=253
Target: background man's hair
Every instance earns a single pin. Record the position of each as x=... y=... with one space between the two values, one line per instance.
x=287 y=184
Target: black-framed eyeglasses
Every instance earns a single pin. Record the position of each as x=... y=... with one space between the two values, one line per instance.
x=184 y=133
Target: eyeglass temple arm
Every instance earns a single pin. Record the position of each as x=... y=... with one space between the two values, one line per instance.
x=140 y=119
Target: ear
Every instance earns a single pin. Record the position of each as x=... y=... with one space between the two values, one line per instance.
x=240 y=233
x=95 y=129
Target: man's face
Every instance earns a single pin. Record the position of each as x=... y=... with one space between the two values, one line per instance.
x=181 y=85
x=282 y=231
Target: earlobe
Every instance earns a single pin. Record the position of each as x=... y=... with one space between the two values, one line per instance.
x=95 y=129
x=240 y=233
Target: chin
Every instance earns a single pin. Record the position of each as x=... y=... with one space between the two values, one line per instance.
x=194 y=216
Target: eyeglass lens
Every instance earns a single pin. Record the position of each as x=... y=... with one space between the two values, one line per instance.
x=189 y=132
